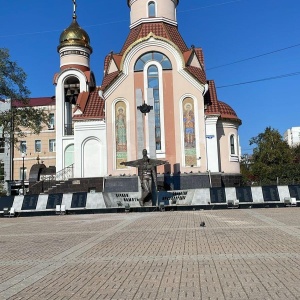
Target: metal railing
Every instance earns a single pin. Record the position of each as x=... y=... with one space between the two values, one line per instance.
x=48 y=181
x=65 y=173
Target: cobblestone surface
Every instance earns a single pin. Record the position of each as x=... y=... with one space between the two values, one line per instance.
x=240 y=254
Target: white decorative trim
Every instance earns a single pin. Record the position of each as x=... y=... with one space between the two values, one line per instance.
x=151 y=20
x=132 y=1
x=162 y=46
x=64 y=74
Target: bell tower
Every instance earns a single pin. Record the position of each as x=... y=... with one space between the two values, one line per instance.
x=73 y=79
x=74 y=46
x=149 y=11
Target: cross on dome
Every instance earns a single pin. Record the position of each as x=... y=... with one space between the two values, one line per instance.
x=74 y=9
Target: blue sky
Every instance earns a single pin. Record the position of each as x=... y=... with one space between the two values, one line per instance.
x=227 y=30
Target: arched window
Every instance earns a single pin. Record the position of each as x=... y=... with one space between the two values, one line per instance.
x=153 y=82
x=69 y=155
x=153 y=56
x=151 y=9
x=71 y=91
x=232 y=145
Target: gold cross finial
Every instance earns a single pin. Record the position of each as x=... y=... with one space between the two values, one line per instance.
x=74 y=9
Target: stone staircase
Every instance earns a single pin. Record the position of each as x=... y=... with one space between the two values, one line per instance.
x=74 y=185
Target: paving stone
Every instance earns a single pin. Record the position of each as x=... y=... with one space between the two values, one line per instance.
x=240 y=254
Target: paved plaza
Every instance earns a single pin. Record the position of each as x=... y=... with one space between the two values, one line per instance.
x=239 y=254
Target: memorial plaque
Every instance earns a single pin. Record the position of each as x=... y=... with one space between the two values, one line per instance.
x=244 y=194
x=6 y=202
x=30 y=202
x=217 y=195
x=53 y=200
x=270 y=193
x=294 y=191
x=78 y=200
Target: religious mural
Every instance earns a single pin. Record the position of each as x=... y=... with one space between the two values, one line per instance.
x=189 y=132
x=121 y=134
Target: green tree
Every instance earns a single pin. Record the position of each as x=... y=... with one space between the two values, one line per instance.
x=272 y=158
x=15 y=121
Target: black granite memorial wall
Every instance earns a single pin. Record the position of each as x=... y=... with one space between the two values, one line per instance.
x=79 y=200
x=6 y=202
x=270 y=193
x=53 y=200
x=121 y=185
x=244 y=194
x=294 y=191
x=30 y=202
x=217 y=195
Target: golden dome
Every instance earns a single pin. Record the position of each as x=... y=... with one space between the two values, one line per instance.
x=74 y=35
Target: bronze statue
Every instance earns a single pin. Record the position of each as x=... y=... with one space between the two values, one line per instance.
x=147 y=173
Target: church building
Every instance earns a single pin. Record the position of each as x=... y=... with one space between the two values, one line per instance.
x=154 y=95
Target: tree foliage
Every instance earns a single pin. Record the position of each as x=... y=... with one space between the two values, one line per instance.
x=272 y=160
x=14 y=89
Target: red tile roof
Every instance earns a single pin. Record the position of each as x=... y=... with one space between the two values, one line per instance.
x=108 y=79
x=227 y=111
x=199 y=53
x=160 y=29
x=41 y=101
x=94 y=108
x=198 y=73
x=216 y=107
x=82 y=100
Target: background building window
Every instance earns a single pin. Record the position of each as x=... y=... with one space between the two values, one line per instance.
x=51 y=121
x=1 y=171
x=52 y=146
x=21 y=173
x=2 y=145
x=37 y=146
x=23 y=146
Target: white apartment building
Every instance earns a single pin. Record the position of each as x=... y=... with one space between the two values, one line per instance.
x=292 y=136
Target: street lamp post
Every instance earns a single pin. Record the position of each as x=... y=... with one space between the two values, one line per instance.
x=23 y=173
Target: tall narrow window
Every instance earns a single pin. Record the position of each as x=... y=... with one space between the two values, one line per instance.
x=153 y=82
x=51 y=121
x=52 y=145
x=232 y=146
x=23 y=146
x=37 y=146
x=2 y=145
x=121 y=134
x=151 y=9
x=1 y=171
